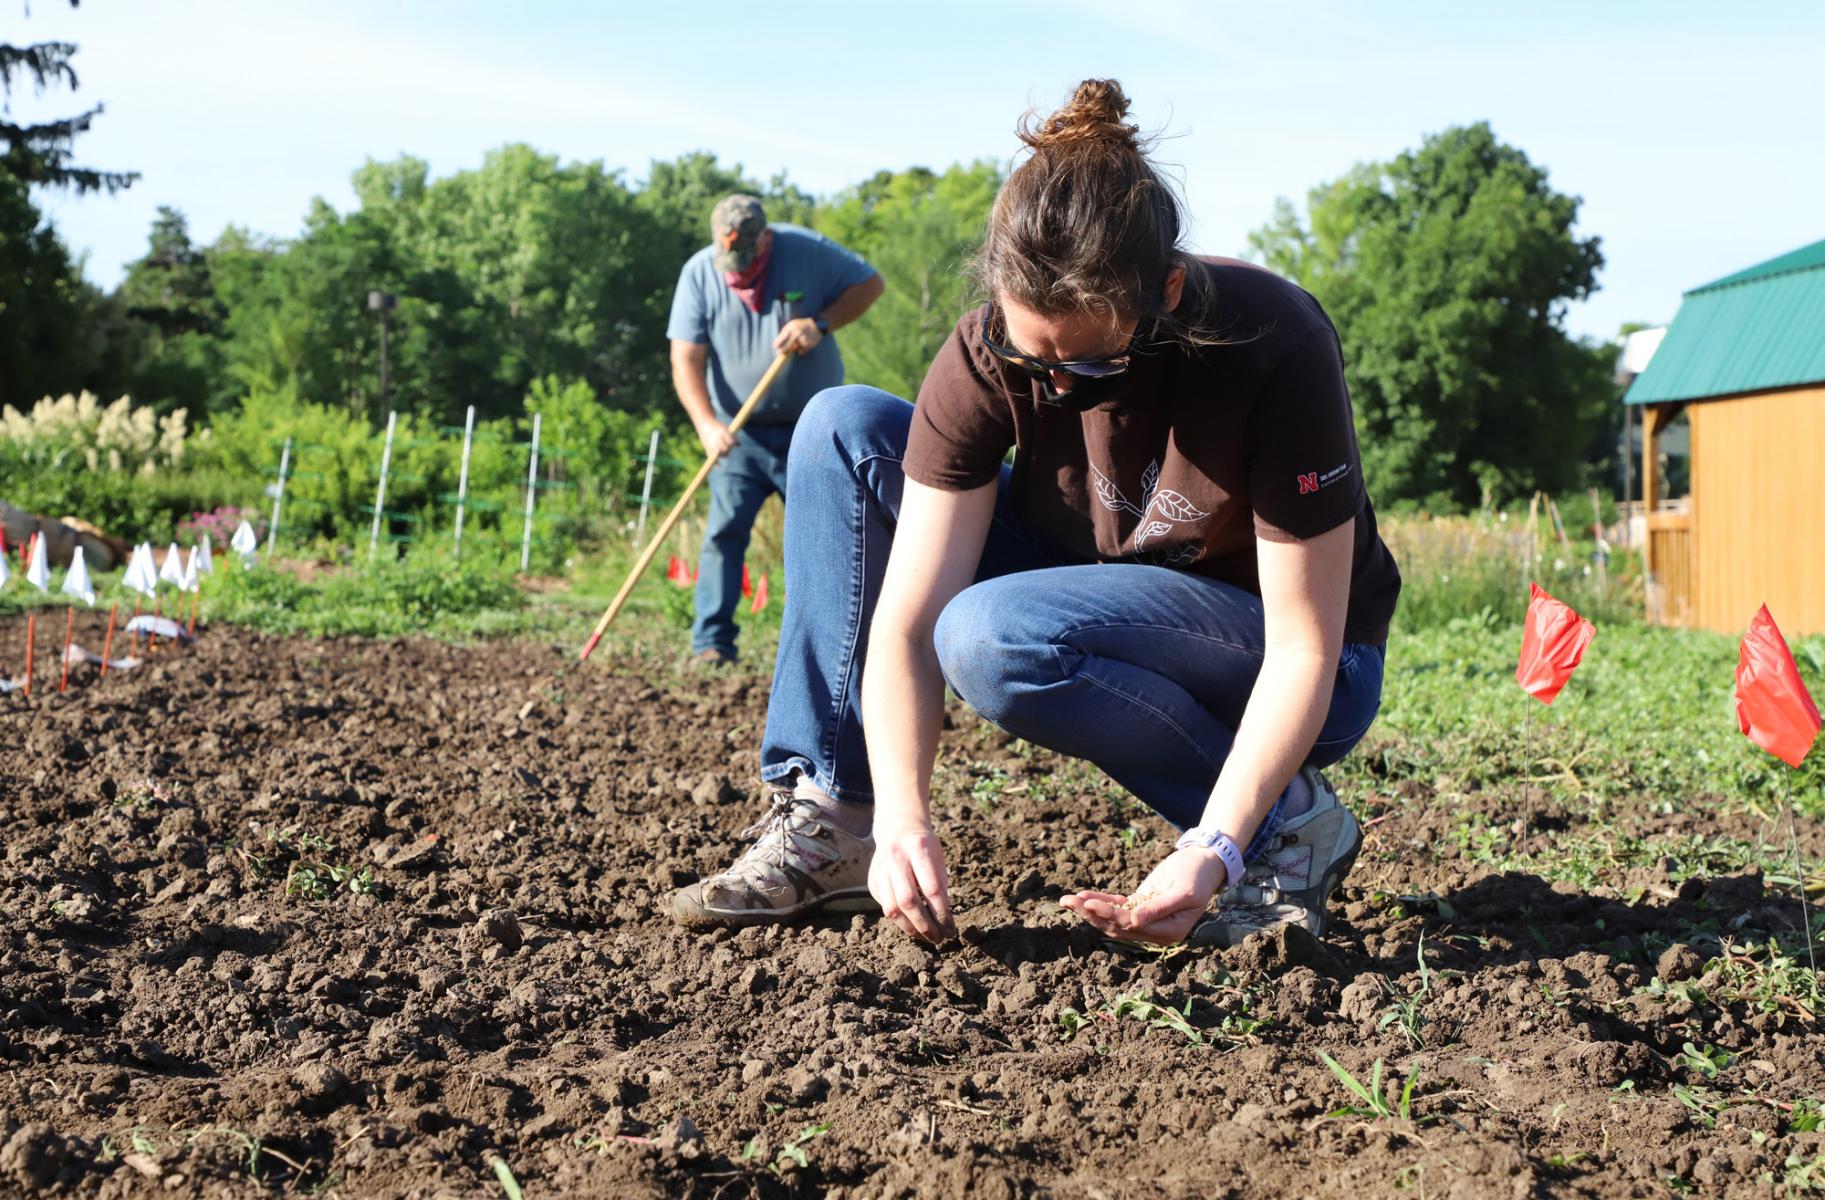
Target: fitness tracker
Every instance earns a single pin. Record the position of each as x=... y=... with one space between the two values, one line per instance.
x=1222 y=844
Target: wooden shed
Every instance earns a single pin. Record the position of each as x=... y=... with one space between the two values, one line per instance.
x=1744 y=359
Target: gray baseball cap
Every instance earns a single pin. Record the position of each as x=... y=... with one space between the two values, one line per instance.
x=736 y=226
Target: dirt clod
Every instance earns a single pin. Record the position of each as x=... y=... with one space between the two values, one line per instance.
x=1678 y=962
x=502 y=927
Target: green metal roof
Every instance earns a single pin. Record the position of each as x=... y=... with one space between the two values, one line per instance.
x=1763 y=327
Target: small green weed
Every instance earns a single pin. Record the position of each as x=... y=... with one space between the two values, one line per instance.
x=1406 y=1014
x=1142 y=1008
x=1706 y=1061
x=791 y=1155
x=985 y=792
x=1806 y=1116
x=1704 y=1106
x=1800 y=1174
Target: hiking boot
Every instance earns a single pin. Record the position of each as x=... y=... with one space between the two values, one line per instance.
x=1305 y=863
x=802 y=863
x=712 y=656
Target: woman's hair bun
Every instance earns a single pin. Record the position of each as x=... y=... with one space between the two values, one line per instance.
x=1094 y=113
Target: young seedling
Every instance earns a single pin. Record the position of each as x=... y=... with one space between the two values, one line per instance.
x=1406 y=1011
x=986 y=791
x=1406 y=1014
x=1802 y=1174
x=1375 y=1103
x=1706 y=1061
x=791 y=1156
x=1806 y=1116
x=1705 y=1107
x=1143 y=1009
x=504 y=1174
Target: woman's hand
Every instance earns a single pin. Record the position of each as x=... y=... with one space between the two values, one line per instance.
x=1165 y=907
x=907 y=879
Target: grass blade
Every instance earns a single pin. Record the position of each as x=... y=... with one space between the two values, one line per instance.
x=509 y=1184
x=1348 y=1080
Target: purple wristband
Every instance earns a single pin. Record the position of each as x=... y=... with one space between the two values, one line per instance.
x=1222 y=844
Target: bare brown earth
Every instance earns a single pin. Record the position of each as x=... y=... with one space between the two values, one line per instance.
x=193 y=999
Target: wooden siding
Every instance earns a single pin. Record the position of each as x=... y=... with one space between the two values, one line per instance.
x=1758 y=510
x=1672 y=597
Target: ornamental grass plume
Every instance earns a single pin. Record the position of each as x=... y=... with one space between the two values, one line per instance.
x=77 y=429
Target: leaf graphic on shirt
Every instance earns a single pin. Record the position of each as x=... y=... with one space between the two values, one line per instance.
x=1151 y=530
x=1110 y=495
x=1150 y=479
x=1173 y=556
x=1175 y=507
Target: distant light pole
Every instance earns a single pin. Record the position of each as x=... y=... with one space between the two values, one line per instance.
x=382 y=303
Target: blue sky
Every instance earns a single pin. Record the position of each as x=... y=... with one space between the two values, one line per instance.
x=1693 y=132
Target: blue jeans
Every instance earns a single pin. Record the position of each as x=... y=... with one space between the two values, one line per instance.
x=753 y=470
x=1142 y=670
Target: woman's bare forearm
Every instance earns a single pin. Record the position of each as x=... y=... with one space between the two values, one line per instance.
x=1287 y=708
x=902 y=712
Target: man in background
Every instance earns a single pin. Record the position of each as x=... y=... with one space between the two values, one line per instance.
x=756 y=291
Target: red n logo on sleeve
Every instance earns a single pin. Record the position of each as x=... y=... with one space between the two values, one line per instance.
x=1308 y=483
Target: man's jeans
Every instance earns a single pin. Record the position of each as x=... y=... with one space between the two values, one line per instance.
x=1142 y=670
x=753 y=470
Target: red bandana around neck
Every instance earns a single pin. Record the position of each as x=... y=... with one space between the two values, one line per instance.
x=747 y=284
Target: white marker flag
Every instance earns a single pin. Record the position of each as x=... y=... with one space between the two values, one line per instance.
x=188 y=583
x=244 y=542
x=38 y=574
x=173 y=570
x=5 y=571
x=141 y=577
x=203 y=558
x=76 y=580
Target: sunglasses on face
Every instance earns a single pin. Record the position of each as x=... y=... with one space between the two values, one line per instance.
x=1108 y=367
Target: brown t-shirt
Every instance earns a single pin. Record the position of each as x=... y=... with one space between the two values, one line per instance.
x=1199 y=452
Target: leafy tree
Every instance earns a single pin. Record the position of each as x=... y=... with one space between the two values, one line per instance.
x=521 y=269
x=919 y=229
x=1448 y=271
x=170 y=296
x=41 y=301
x=301 y=327
x=41 y=153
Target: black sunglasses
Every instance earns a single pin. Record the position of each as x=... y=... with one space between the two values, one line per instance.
x=1107 y=367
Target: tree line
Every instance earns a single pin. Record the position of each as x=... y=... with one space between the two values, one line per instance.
x=1447 y=269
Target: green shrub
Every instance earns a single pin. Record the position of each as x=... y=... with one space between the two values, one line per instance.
x=423 y=593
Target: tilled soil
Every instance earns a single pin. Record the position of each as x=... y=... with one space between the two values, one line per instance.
x=355 y=918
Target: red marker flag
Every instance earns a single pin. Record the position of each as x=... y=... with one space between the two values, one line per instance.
x=1773 y=706
x=674 y=571
x=760 y=594
x=747 y=586
x=1551 y=645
